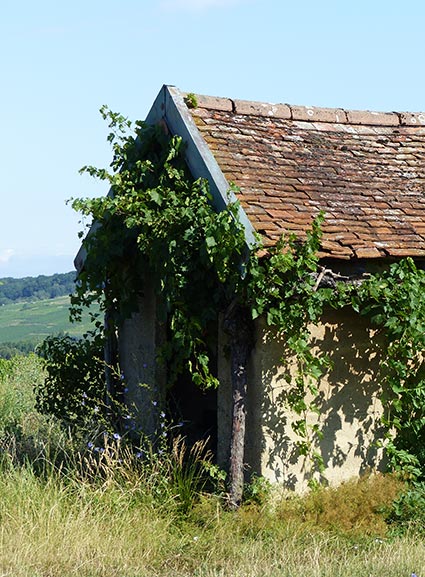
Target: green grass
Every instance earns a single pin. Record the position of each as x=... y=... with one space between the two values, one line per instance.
x=115 y=516
x=37 y=320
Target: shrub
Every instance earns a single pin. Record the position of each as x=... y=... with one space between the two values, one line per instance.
x=355 y=508
x=407 y=511
x=75 y=377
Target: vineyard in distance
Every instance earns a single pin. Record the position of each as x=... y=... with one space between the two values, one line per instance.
x=33 y=308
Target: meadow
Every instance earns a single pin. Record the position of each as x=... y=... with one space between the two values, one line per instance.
x=36 y=320
x=76 y=503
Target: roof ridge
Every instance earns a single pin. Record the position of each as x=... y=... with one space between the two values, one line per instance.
x=311 y=113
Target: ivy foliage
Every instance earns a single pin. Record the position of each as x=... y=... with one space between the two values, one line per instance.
x=158 y=223
x=282 y=287
x=394 y=302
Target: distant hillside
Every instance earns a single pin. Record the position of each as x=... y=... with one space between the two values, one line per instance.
x=36 y=288
x=23 y=325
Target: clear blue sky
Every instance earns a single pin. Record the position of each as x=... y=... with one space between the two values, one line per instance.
x=60 y=61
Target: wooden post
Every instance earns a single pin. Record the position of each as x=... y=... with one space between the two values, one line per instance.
x=238 y=325
x=111 y=356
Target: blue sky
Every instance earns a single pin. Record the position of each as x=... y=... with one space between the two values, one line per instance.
x=60 y=61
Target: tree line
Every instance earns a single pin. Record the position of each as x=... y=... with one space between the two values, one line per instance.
x=36 y=288
x=8 y=350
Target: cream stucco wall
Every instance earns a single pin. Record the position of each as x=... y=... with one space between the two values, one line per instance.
x=349 y=402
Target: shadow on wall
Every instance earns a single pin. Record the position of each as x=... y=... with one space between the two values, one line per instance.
x=348 y=401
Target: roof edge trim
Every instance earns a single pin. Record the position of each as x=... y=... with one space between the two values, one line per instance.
x=171 y=107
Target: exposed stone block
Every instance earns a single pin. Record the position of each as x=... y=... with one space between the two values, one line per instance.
x=372 y=118
x=262 y=109
x=333 y=115
x=412 y=118
x=215 y=103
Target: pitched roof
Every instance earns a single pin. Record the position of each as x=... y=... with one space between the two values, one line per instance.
x=365 y=170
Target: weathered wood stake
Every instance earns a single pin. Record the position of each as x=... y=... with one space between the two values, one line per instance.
x=238 y=325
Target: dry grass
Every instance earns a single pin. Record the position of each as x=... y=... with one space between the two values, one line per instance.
x=64 y=528
x=109 y=515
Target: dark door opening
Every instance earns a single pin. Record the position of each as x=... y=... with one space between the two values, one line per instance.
x=194 y=411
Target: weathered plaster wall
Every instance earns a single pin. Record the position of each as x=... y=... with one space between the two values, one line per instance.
x=349 y=401
x=139 y=339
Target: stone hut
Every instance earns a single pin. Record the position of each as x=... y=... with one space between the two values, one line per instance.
x=366 y=171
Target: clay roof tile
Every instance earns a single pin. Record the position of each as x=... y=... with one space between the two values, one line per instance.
x=365 y=170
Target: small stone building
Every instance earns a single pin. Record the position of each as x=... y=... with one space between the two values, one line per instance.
x=366 y=171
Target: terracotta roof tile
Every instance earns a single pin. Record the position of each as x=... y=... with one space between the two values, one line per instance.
x=365 y=170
